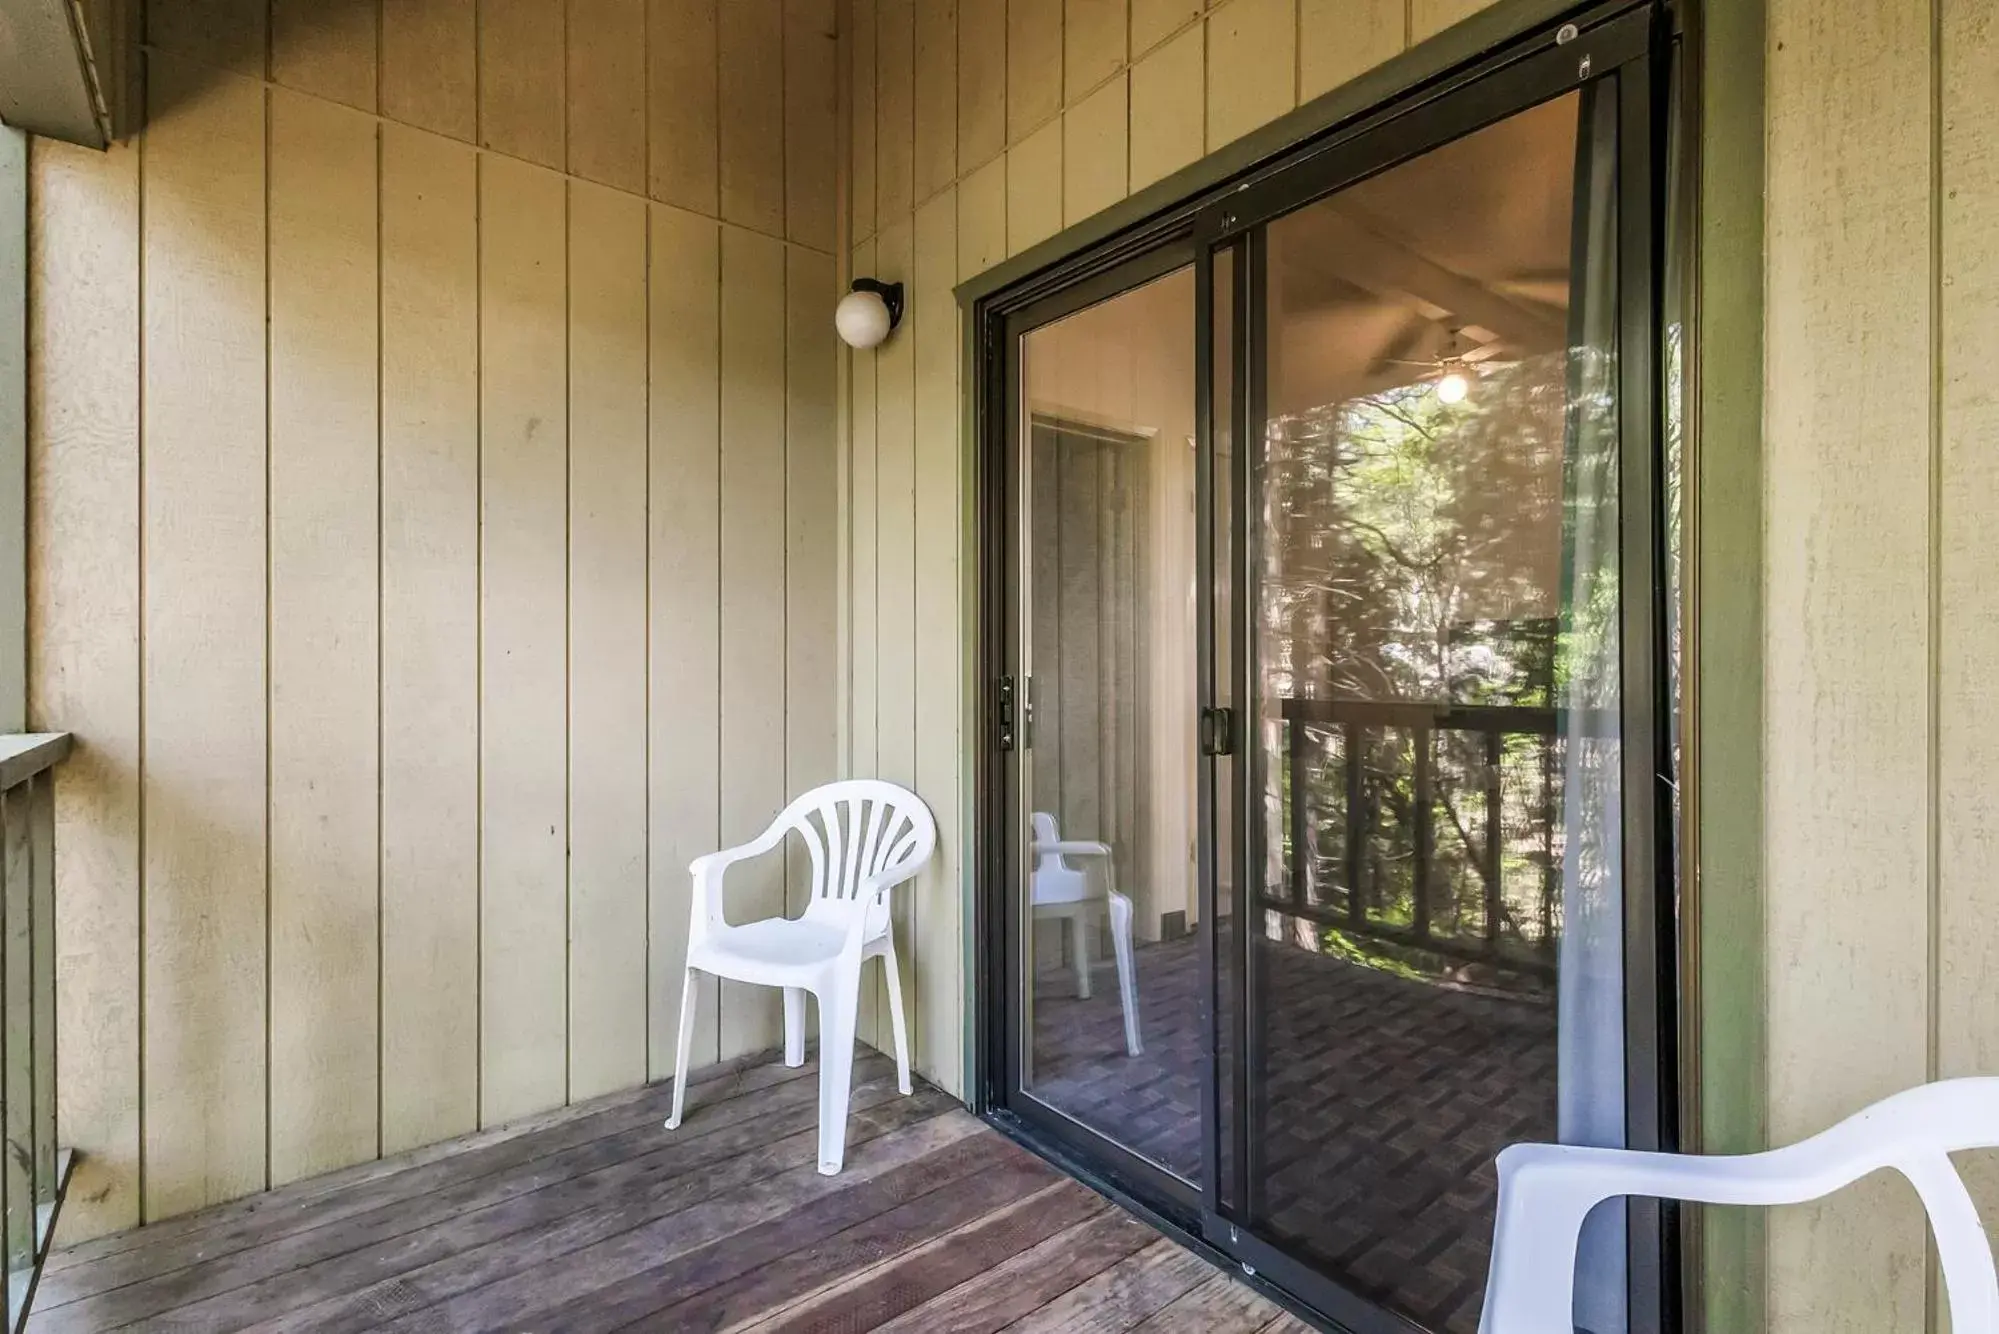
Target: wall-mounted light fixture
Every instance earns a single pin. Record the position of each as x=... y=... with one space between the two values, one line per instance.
x=869 y=313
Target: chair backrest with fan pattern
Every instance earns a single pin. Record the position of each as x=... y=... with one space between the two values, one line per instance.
x=860 y=829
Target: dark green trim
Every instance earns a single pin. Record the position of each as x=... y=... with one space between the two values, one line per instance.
x=1474 y=38
x=1726 y=641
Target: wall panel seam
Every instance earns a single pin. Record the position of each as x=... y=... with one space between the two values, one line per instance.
x=269 y=110
x=139 y=665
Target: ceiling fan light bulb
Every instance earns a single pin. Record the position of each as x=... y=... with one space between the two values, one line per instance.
x=1453 y=387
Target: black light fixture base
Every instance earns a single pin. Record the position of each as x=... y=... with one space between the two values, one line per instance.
x=890 y=293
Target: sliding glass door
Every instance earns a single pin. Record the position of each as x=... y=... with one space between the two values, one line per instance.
x=1326 y=779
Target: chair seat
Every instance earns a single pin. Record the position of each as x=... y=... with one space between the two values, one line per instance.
x=799 y=943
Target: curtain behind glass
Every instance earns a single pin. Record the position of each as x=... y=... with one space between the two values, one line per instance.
x=1591 y=1000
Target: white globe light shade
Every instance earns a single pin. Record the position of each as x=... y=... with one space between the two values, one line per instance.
x=862 y=319
x=1453 y=388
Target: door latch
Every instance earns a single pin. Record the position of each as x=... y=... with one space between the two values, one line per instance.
x=1004 y=712
x=1217 y=732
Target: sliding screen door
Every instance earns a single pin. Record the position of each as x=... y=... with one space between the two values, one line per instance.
x=1434 y=961
x=1328 y=796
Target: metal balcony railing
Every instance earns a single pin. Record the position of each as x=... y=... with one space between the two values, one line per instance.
x=35 y=1171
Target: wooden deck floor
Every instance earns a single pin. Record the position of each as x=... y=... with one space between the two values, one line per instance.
x=598 y=1219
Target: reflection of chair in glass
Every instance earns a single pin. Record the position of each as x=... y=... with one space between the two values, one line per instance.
x=1062 y=891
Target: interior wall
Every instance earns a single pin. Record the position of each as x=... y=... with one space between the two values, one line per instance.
x=434 y=541
x=1881 y=693
x=979 y=128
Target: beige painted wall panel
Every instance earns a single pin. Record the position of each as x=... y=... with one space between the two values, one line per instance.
x=750 y=36
x=1339 y=40
x=895 y=110
x=231 y=35
x=1034 y=188
x=204 y=799
x=1153 y=21
x=752 y=625
x=685 y=719
x=811 y=122
x=1427 y=18
x=607 y=640
x=523 y=697
x=430 y=639
x=430 y=65
x=1168 y=115
x=932 y=971
x=606 y=76
x=1093 y=44
x=860 y=46
x=324 y=651
x=936 y=96
x=895 y=574
x=1252 y=66
x=1033 y=65
x=1967 y=911
x=863 y=605
x=325 y=49
x=1847 y=467
x=982 y=219
x=682 y=111
x=811 y=519
x=83 y=671
x=1094 y=153
x=522 y=82
x=982 y=37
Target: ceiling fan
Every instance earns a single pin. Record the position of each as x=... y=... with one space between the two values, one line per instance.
x=1451 y=368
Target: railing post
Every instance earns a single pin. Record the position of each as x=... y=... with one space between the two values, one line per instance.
x=1356 y=822
x=1300 y=806
x=1419 y=894
x=1494 y=817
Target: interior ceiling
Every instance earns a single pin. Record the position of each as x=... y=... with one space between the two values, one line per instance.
x=1367 y=286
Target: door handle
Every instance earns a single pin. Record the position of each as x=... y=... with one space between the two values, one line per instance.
x=1217 y=732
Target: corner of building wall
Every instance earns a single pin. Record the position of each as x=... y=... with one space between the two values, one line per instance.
x=1728 y=1010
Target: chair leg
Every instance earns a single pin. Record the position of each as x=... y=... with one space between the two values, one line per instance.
x=892 y=976
x=683 y=1048
x=794 y=1026
x=1127 y=980
x=838 y=1014
x=1079 y=947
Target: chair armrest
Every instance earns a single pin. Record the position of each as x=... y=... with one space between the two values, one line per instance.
x=707 y=871
x=1070 y=847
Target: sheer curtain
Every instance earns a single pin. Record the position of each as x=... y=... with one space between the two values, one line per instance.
x=1590 y=1023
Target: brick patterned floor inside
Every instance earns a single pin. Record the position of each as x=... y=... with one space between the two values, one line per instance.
x=1385 y=1101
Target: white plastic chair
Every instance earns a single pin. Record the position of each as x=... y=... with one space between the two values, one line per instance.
x=1063 y=892
x=865 y=837
x=1546 y=1190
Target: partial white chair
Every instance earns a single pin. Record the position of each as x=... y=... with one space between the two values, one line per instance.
x=1063 y=892
x=1546 y=1190
x=865 y=838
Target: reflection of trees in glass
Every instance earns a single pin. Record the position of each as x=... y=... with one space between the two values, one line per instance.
x=1416 y=551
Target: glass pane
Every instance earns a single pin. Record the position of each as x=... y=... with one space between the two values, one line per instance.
x=1438 y=925
x=1109 y=909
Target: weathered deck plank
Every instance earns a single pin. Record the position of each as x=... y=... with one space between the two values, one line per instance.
x=598 y=1219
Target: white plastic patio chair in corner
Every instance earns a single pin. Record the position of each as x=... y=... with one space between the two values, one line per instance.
x=1546 y=1190
x=865 y=838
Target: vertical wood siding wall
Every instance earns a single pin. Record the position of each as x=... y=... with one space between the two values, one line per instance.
x=978 y=128
x=1881 y=472
x=434 y=547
